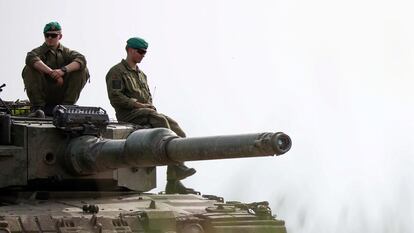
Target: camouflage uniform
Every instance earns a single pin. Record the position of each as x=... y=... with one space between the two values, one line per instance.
x=129 y=94
x=41 y=88
x=125 y=87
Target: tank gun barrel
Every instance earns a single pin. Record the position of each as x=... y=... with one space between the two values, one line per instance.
x=154 y=147
x=228 y=146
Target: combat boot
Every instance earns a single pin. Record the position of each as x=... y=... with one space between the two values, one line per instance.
x=179 y=172
x=48 y=109
x=175 y=186
x=37 y=112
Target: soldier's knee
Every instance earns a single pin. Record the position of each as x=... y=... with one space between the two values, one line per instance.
x=158 y=120
x=81 y=75
x=30 y=74
x=178 y=131
x=175 y=127
x=77 y=80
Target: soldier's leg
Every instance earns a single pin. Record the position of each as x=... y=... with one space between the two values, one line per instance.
x=158 y=120
x=134 y=116
x=35 y=84
x=175 y=186
x=74 y=83
x=141 y=121
x=175 y=173
x=179 y=171
x=175 y=127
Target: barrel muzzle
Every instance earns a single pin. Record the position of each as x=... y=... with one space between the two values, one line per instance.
x=281 y=143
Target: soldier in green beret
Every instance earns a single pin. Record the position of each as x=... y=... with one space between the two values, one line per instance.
x=53 y=73
x=130 y=95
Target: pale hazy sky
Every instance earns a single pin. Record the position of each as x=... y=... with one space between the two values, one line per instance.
x=337 y=76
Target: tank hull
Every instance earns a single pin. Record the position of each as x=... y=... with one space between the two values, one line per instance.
x=131 y=212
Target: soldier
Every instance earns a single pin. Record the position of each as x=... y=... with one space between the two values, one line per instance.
x=129 y=94
x=53 y=73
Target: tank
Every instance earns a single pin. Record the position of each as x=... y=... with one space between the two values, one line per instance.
x=79 y=172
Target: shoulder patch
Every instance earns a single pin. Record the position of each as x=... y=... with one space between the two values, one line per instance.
x=116 y=84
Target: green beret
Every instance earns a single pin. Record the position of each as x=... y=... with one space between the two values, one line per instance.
x=137 y=43
x=52 y=26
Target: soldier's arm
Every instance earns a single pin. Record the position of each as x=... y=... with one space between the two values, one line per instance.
x=77 y=60
x=73 y=66
x=116 y=87
x=33 y=60
x=149 y=92
x=42 y=67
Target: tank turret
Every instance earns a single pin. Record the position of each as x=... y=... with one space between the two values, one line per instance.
x=78 y=172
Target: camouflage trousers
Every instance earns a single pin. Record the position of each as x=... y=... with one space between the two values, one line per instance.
x=150 y=117
x=42 y=89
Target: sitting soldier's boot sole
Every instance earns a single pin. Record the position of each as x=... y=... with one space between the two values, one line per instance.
x=179 y=172
x=176 y=187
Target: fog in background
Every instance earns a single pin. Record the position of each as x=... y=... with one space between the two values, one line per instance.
x=337 y=76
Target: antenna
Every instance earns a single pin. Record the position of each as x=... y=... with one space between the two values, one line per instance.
x=153 y=93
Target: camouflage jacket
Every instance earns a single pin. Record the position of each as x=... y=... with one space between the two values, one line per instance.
x=55 y=59
x=125 y=87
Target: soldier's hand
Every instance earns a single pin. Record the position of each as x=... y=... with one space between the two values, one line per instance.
x=58 y=73
x=59 y=81
x=141 y=105
x=54 y=74
x=152 y=107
